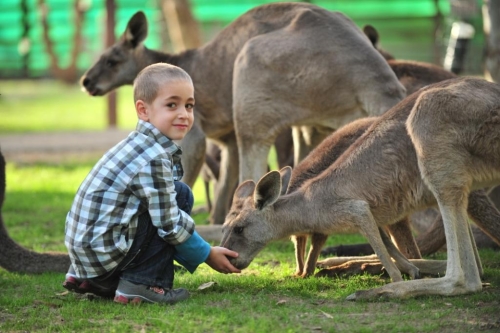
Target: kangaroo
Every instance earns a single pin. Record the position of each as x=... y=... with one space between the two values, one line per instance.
x=325 y=155
x=15 y=258
x=278 y=65
x=451 y=148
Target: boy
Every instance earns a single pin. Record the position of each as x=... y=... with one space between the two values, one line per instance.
x=130 y=217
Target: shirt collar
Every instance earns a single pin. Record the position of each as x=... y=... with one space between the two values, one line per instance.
x=149 y=130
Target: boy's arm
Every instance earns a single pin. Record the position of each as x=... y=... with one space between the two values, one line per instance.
x=192 y=252
x=154 y=185
x=195 y=250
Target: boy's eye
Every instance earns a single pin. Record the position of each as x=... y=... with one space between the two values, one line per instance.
x=189 y=106
x=171 y=105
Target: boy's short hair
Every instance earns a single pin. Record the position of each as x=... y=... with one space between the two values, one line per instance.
x=148 y=81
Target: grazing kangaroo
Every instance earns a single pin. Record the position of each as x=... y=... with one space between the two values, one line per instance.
x=452 y=148
x=15 y=258
x=276 y=66
x=320 y=159
x=326 y=154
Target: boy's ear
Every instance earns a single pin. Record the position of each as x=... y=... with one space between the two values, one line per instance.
x=141 y=109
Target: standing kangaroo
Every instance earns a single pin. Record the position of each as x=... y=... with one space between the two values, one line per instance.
x=452 y=148
x=277 y=65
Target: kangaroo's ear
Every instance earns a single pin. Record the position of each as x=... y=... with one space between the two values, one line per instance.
x=137 y=29
x=267 y=190
x=286 y=175
x=244 y=190
x=372 y=34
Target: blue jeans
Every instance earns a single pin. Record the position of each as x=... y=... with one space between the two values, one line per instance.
x=150 y=260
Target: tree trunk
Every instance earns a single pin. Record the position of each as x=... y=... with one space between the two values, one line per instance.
x=70 y=74
x=182 y=26
x=491 y=19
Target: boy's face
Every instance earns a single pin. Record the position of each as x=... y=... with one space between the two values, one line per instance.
x=171 y=111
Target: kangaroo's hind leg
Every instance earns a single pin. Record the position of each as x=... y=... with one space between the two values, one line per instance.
x=401 y=261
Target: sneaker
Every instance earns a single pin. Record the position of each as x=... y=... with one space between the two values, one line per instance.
x=72 y=283
x=129 y=292
x=85 y=286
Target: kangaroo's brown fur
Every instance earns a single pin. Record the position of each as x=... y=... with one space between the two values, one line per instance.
x=326 y=154
x=276 y=66
x=314 y=164
x=412 y=74
x=16 y=258
x=452 y=148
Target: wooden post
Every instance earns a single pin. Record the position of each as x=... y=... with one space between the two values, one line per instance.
x=491 y=21
x=182 y=25
x=110 y=40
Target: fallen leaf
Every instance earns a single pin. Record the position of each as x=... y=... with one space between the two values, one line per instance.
x=64 y=293
x=326 y=314
x=206 y=285
x=281 y=302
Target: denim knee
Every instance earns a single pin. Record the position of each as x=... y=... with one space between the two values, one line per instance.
x=184 y=197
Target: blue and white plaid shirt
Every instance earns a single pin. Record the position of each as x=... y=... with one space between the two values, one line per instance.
x=133 y=177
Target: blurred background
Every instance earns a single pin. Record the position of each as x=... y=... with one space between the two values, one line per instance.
x=46 y=45
x=37 y=37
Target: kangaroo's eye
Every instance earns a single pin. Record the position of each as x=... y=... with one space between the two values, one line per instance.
x=111 y=63
x=238 y=230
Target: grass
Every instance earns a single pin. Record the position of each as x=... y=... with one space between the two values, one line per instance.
x=47 y=106
x=264 y=298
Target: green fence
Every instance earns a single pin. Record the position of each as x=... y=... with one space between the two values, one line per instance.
x=412 y=29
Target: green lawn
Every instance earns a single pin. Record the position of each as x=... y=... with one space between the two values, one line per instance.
x=45 y=105
x=264 y=298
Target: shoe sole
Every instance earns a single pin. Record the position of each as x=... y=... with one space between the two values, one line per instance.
x=125 y=300
x=76 y=288
x=73 y=287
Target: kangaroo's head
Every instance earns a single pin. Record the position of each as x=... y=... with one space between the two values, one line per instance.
x=120 y=63
x=249 y=224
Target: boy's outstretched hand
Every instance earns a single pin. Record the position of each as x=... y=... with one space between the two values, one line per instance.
x=217 y=259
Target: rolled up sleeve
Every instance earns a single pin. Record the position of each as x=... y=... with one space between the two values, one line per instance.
x=192 y=252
